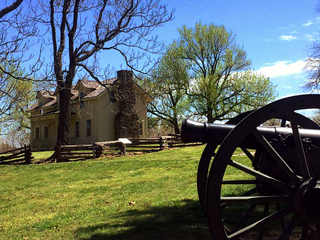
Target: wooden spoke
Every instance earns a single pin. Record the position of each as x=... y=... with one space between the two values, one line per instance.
x=256 y=199
x=260 y=223
x=244 y=218
x=239 y=182
x=285 y=167
x=249 y=155
x=265 y=214
x=283 y=225
x=262 y=176
x=300 y=150
x=292 y=225
x=248 y=193
x=280 y=171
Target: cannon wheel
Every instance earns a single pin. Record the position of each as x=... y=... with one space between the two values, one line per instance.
x=205 y=160
x=296 y=211
x=210 y=149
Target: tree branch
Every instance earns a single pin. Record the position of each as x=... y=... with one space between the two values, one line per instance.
x=10 y=8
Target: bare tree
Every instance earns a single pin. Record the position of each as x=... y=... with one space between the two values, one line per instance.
x=313 y=68
x=17 y=35
x=82 y=29
x=313 y=64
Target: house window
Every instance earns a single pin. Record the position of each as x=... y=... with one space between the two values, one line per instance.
x=88 y=128
x=77 y=129
x=46 y=132
x=82 y=104
x=37 y=136
x=82 y=94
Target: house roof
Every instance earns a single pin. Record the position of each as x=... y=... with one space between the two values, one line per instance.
x=96 y=89
x=94 y=84
x=46 y=94
x=46 y=105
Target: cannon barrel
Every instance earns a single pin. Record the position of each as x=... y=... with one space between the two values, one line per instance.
x=192 y=131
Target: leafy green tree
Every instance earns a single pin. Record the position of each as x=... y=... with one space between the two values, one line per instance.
x=168 y=89
x=244 y=91
x=220 y=80
x=16 y=97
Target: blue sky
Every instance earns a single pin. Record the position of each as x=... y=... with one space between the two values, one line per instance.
x=276 y=34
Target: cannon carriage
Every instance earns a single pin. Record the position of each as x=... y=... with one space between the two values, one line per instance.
x=257 y=181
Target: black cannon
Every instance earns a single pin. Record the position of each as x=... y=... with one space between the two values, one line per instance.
x=257 y=181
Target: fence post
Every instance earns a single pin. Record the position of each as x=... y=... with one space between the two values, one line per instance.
x=123 y=148
x=27 y=154
x=94 y=150
x=98 y=150
x=161 y=142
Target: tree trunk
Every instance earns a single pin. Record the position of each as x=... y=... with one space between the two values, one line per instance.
x=176 y=128
x=64 y=116
x=210 y=119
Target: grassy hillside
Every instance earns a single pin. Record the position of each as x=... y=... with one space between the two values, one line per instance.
x=152 y=196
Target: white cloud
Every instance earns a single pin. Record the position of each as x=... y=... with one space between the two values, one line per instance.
x=283 y=68
x=288 y=87
x=307 y=24
x=309 y=37
x=287 y=38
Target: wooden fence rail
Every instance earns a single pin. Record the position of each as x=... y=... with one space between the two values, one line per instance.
x=145 y=144
x=77 y=152
x=22 y=154
x=89 y=151
x=86 y=151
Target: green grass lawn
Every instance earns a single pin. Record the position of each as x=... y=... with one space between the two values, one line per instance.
x=151 y=196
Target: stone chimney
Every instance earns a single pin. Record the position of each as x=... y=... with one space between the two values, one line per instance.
x=125 y=86
x=125 y=76
x=126 y=119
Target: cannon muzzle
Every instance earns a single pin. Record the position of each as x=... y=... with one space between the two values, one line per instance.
x=192 y=131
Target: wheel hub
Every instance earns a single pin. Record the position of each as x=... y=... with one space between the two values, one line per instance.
x=306 y=201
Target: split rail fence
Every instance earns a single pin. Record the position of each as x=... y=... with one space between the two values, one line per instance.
x=122 y=146
x=77 y=152
x=96 y=150
x=23 y=155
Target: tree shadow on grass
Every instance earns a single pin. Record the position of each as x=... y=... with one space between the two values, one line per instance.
x=184 y=221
